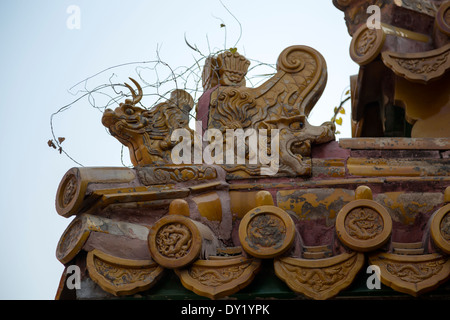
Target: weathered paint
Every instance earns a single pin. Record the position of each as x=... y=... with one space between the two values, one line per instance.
x=396 y=143
x=209 y=206
x=312 y=204
x=397 y=167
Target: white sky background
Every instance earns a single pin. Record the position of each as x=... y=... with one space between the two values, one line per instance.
x=41 y=59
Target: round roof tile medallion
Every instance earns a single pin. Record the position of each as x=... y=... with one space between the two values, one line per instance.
x=266 y=232
x=366 y=44
x=174 y=241
x=363 y=225
x=440 y=228
x=443 y=18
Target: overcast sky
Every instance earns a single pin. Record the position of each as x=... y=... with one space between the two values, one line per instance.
x=42 y=57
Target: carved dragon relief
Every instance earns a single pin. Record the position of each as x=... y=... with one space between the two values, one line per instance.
x=283 y=102
x=419 y=67
x=147 y=133
x=412 y=274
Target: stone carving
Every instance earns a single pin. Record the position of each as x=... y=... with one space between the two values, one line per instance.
x=363 y=225
x=421 y=67
x=78 y=183
x=79 y=230
x=147 y=133
x=234 y=109
x=160 y=175
x=176 y=241
x=72 y=240
x=266 y=231
x=192 y=219
x=122 y=276
x=228 y=69
x=319 y=279
x=413 y=42
x=69 y=195
x=173 y=240
x=415 y=273
x=283 y=102
x=219 y=278
x=412 y=274
x=215 y=278
x=366 y=44
x=70 y=189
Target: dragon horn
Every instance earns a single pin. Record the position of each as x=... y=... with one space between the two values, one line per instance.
x=136 y=98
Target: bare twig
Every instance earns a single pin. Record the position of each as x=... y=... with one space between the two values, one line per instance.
x=166 y=78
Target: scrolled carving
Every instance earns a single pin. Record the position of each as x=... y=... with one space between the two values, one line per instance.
x=174 y=240
x=227 y=69
x=419 y=67
x=282 y=103
x=415 y=273
x=72 y=240
x=412 y=274
x=122 y=276
x=70 y=189
x=219 y=278
x=147 y=133
x=150 y=175
x=266 y=231
x=232 y=68
x=319 y=279
x=78 y=231
x=292 y=60
x=70 y=193
x=366 y=44
x=363 y=225
x=78 y=184
x=234 y=109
